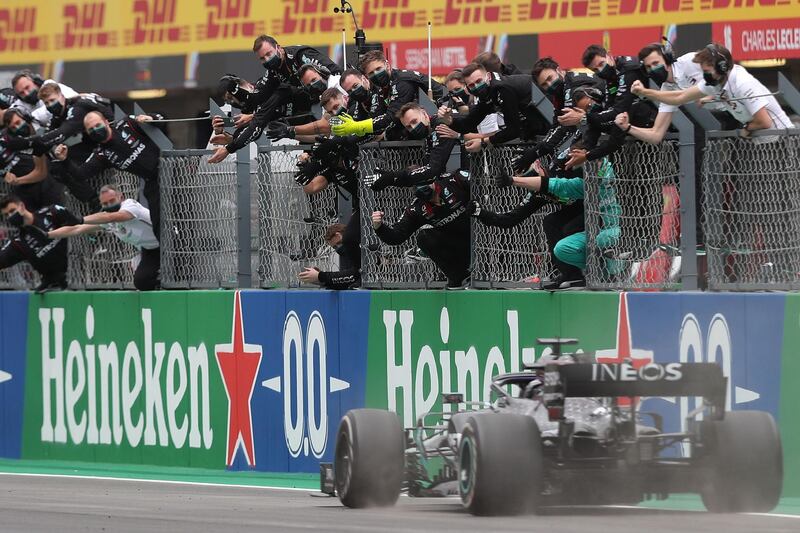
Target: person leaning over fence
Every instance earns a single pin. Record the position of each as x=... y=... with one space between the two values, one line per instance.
x=444 y=205
x=130 y=222
x=396 y=87
x=334 y=104
x=419 y=125
x=349 y=274
x=363 y=103
x=495 y=93
x=47 y=256
x=26 y=85
x=260 y=104
x=737 y=91
x=125 y=146
x=26 y=173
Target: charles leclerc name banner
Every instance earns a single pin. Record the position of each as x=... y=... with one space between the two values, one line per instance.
x=41 y=31
x=259 y=379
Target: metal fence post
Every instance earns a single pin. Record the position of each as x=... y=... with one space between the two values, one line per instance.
x=243 y=229
x=686 y=156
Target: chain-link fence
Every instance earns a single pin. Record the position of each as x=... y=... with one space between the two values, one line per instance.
x=199 y=244
x=632 y=215
x=751 y=201
x=100 y=260
x=291 y=223
x=506 y=257
x=21 y=276
x=383 y=265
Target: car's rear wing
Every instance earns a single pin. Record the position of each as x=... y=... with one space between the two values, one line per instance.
x=628 y=379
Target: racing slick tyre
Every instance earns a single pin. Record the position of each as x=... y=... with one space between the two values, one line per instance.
x=369 y=461
x=746 y=463
x=500 y=465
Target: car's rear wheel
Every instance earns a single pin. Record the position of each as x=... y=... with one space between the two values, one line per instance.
x=746 y=461
x=500 y=464
x=370 y=458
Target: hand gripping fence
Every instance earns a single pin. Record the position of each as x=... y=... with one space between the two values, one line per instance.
x=632 y=217
x=291 y=223
x=506 y=257
x=751 y=200
x=382 y=265
x=199 y=243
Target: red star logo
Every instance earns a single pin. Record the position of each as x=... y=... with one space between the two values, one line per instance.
x=238 y=363
x=624 y=350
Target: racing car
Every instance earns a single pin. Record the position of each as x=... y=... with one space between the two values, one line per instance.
x=565 y=431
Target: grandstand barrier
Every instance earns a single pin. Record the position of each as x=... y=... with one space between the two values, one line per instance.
x=258 y=380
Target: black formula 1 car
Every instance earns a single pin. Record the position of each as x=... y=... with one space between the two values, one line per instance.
x=566 y=437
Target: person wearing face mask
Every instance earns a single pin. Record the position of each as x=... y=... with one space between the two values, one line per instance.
x=395 y=87
x=670 y=74
x=122 y=145
x=26 y=85
x=509 y=96
x=363 y=104
x=334 y=162
x=129 y=221
x=334 y=104
x=559 y=87
x=419 y=125
x=444 y=204
x=26 y=173
x=731 y=87
x=47 y=256
x=260 y=104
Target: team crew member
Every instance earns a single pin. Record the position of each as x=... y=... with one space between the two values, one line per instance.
x=492 y=63
x=130 y=222
x=26 y=85
x=724 y=81
x=619 y=73
x=442 y=204
x=48 y=257
x=495 y=93
x=559 y=87
x=395 y=87
x=260 y=105
x=670 y=74
x=335 y=162
x=124 y=146
x=27 y=174
x=362 y=102
x=419 y=125
x=334 y=104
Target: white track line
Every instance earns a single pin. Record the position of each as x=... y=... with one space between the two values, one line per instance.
x=648 y=508
x=164 y=481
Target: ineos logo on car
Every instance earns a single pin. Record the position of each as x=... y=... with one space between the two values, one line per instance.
x=627 y=372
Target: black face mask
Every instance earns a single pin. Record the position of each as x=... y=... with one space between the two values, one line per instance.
x=358 y=93
x=339 y=110
x=32 y=97
x=380 y=77
x=658 y=74
x=317 y=86
x=418 y=132
x=112 y=208
x=55 y=108
x=480 y=90
x=557 y=87
x=98 y=134
x=23 y=130
x=273 y=63
x=709 y=79
x=16 y=219
x=607 y=72
x=425 y=192
x=461 y=94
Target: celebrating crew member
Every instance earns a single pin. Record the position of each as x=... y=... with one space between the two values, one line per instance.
x=26 y=85
x=396 y=87
x=124 y=146
x=26 y=173
x=496 y=93
x=739 y=93
x=334 y=104
x=130 y=222
x=442 y=204
x=48 y=257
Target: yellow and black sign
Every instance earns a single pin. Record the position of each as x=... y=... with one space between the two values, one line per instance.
x=37 y=31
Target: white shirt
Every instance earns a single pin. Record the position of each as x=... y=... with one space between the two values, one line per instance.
x=333 y=81
x=686 y=74
x=137 y=231
x=742 y=84
x=38 y=111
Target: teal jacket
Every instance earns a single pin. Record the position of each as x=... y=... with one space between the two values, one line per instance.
x=572 y=189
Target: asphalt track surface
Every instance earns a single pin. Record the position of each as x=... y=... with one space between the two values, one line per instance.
x=47 y=503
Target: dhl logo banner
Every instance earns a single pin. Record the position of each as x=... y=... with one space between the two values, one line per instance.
x=34 y=31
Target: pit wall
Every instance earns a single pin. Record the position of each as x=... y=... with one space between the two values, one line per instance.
x=259 y=379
